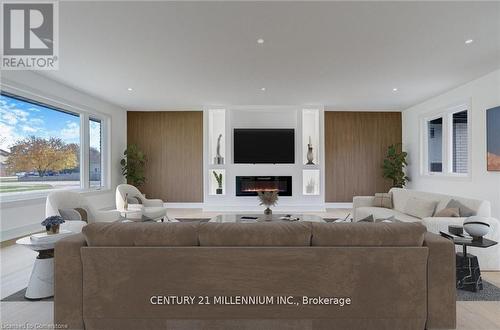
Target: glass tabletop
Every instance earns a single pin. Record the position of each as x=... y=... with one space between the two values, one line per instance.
x=249 y=218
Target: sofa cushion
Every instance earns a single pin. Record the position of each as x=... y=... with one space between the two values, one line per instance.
x=383 y=213
x=141 y=234
x=451 y=212
x=255 y=234
x=383 y=200
x=400 y=197
x=367 y=234
x=463 y=210
x=420 y=208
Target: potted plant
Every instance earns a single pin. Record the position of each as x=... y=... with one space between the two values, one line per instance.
x=218 y=178
x=52 y=224
x=268 y=198
x=394 y=165
x=133 y=165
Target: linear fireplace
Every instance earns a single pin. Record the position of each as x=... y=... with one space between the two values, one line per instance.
x=249 y=185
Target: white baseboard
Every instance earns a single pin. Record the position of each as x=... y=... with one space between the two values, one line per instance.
x=184 y=205
x=278 y=209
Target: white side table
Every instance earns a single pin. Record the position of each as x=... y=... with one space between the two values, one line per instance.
x=41 y=284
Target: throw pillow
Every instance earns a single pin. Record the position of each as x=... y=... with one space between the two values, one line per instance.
x=420 y=208
x=451 y=212
x=383 y=200
x=464 y=211
x=367 y=219
x=78 y=213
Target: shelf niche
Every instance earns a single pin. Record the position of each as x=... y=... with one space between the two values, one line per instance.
x=310 y=136
x=310 y=182
x=217 y=136
x=214 y=185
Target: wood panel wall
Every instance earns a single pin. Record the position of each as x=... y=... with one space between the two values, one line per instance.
x=355 y=146
x=173 y=144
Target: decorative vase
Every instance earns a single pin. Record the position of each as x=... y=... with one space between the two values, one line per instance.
x=310 y=156
x=477 y=227
x=125 y=202
x=268 y=211
x=218 y=159
x=54 y=229
x=218 y=191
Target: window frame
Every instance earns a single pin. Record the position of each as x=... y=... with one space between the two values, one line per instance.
x=447 y=141
x=84 y=114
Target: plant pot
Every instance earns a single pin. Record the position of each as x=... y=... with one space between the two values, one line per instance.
x=218 y=191
x=268 y=211
x=52 y=229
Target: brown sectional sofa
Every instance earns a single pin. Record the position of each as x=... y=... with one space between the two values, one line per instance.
x=397 y=276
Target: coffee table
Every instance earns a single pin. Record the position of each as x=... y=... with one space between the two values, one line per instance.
x=468 y=271
x=249 y=218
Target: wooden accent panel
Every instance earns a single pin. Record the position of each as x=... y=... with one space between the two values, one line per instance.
x=173 y=144
x=355 y=146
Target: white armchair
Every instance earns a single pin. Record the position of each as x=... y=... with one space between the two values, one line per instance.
x=67 y=202
x=151 y=208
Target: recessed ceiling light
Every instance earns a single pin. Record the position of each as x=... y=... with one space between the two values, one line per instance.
x=260 y=41
x=263 y=89
x=129 y=89
x=394 y=89
x=469 y=41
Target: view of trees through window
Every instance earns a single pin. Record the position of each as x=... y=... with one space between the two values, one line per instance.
x=40 y=147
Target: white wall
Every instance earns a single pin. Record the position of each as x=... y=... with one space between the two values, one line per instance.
x=24 y=216
x=483 y=94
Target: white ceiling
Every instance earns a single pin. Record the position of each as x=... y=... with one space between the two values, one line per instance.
x=345 y=55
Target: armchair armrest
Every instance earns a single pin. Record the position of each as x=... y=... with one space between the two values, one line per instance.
x=153 y=203
x=441 y=282
x=107 y=216
x=74 y=226
x=68 y=282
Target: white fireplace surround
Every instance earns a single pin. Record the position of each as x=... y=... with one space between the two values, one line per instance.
x=306 y=121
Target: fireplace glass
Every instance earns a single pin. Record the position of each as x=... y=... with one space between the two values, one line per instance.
x=250 y=185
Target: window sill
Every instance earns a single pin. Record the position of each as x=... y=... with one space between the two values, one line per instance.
x=447 y=176
x=19 y=200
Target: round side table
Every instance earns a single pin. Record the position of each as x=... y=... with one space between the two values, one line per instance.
x=41 y=284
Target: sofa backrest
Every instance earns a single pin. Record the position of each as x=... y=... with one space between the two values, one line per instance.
x=276 y=233
x=401 y=196
x=368 y=234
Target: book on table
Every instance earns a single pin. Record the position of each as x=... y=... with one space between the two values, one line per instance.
x=49 y=238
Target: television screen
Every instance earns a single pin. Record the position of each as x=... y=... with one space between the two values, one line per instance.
x=264 y=146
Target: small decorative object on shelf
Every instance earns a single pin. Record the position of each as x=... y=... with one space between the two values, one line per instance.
x=268 y=198
x=52 y=224
x=218 y=178
x=477 y=227
x=310 y=156
x=218 y=159
x=310 y=186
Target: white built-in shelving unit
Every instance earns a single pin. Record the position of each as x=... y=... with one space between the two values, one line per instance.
x=307 y=179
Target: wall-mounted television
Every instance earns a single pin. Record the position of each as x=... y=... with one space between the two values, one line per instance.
x=264 y=146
